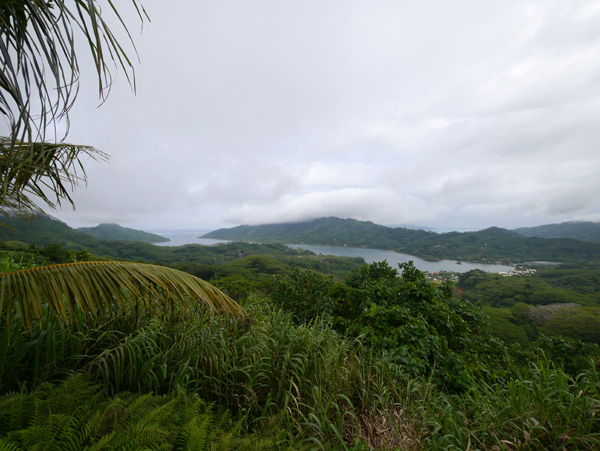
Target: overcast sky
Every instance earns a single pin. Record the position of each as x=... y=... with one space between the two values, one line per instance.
x=446 y=114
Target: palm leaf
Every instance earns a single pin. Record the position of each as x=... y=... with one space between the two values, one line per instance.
x=40 y=170
x=38 y=58
x=96 y=287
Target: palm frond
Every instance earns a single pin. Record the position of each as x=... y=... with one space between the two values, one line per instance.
x=38 y=58
x=40 y=170
x=96 y=287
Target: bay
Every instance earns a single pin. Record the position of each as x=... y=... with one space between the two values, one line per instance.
x=180 y=238
x=394 y=258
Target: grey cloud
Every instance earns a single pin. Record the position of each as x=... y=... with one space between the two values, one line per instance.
x=465 y=113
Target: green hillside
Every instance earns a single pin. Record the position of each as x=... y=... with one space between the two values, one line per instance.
x=489 y=245
x=577 y=230
x=324 y=231
x=496 y=244
x=43 y=230
x=329 y=344
x=224 y=260
x=116 y=232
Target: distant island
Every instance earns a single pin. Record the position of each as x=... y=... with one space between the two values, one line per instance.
x=492 y=245
x=116 y=232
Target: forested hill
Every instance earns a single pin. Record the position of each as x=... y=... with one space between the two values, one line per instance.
x=116 y=232
x=578 y=230
x=493 y=244
x=324 y=231
x=43 y=230
x=46 y=231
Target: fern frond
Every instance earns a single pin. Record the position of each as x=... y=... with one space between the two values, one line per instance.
x=125 y=422
x=7 y=446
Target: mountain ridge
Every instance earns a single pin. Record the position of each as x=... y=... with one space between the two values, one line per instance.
x=579 y=230
x=493 y=244
x=106 y=231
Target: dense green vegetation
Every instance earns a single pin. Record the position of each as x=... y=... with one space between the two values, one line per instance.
x=333 y=355
x=362 y=358
x=542 y=289
x=559 y=302
x=287 y=382
x=116 y=232
x=77 y=415
x=490 y=245
x=495 y=244
x=419 y=326
x=578 y=230
x=226 y=262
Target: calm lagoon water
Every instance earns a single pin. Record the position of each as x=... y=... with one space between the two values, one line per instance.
x=187 y=237
x=394 y=258
x=370 y=255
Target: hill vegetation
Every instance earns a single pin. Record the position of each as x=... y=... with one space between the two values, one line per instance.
x=325 y=231
x=559 y=302
x=332 y=355
x=116 y=232
x=235 y=266
x=43 y=230
x=489 y=245
x=577 y=230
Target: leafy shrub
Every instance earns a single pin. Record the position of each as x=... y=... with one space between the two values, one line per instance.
x=304 y=293
x=416 y=324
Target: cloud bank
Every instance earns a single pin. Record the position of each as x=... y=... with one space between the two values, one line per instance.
x=462 y=115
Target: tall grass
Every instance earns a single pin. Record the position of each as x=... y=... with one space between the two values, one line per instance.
x=304 y=385
x=309 y=382
x=547 y=410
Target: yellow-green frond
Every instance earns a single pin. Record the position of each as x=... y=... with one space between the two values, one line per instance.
x=96 y=287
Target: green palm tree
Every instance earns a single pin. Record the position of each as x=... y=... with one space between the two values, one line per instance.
x=38 y=66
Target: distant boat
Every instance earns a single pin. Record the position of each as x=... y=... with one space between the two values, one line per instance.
x=459 y=263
